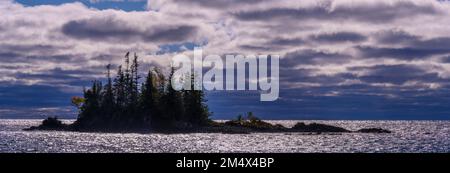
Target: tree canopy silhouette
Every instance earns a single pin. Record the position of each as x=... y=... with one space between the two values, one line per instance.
x=124 y=103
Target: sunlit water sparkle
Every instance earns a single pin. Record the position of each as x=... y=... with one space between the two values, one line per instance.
x=407 y=136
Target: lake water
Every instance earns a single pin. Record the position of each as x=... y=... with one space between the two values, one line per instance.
x=407 y=136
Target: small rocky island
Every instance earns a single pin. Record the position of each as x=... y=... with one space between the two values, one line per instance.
x=238 y=126
x=125 y=105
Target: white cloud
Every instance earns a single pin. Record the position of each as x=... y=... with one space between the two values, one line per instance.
x=75 y=37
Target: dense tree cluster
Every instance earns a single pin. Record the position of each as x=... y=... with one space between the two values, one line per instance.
x=124 y=103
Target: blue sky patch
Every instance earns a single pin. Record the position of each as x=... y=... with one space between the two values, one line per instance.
x=125 y=5
x=178 y=47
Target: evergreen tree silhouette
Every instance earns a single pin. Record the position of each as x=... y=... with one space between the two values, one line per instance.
x=91 y=107
x=121 y=104
x=120 y=94
x=196 y=110
x=107 y=104
x=173 y=103
x=149 y=94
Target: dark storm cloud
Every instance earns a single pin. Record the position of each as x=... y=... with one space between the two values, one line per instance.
x=395 y=37
x=27 y=48
x=382 y=12
x=287 y=42
x=396 y=74
x=256 y=47
x=392 y=74
x=446 y=59
x=12 y=57
x=104 y=57
x=63 y=80
x=310 y=56
x=408 y=46
x=438 y=43
x=289 y=75
x=8 y=56
x=31 y=53
x=405 y=53
x=338 y=37
x=98 y=29
x=173 y=34
x=10 y=66
x=61 y=76
x=111 y=29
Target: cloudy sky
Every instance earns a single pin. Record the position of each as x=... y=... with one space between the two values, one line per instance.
x=342 y=59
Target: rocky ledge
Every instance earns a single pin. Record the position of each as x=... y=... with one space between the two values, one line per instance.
x=51 y=123
x=232 y=126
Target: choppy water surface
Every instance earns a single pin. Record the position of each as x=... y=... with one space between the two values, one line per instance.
x=407 y=136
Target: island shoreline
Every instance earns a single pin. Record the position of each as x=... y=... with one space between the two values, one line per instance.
x=227 y=127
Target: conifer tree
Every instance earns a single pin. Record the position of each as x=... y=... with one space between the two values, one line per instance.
x=120 y=104
x=134 y=81
x=107 y=104
x=136 y=73
x=148 y=97
x=128 y=82
x=91 y=107
x=119 y=91
x=173 y=104
x=196 y=110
